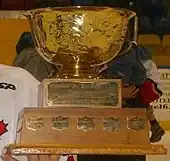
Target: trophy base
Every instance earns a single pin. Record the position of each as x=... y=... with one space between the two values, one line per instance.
x=19 y=149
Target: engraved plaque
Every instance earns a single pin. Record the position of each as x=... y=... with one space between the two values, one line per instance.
x=111 y=124
x=34 y=123
x=136 y=123
x=60 y=123
x=86 y=123
x=81 y=93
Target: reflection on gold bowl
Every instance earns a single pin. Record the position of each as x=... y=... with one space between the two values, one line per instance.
x=77 y=38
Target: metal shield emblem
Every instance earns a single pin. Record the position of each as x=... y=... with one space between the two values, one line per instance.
x=60 y=123
x=34 y=123
x=111 y=124
x=86 y=123
x=136 y=123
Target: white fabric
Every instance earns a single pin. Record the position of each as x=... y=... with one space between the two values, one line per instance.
x=64 y=158
x=12 y=101
x=152 y=72
x=18 y=89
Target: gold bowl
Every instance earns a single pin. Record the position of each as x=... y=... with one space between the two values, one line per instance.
x=79 y=38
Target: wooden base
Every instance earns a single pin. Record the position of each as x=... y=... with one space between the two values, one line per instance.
x=18 y=149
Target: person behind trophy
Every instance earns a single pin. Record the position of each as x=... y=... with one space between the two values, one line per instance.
x=18 y=89
x=134 y=66
x=141 y=86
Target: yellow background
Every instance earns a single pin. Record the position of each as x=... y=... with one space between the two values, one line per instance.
x=10 y=31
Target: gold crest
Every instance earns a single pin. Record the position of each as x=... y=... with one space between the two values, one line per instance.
x=34 y=123
x=60 y=123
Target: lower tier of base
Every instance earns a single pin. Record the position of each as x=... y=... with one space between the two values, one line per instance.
x=18 y=149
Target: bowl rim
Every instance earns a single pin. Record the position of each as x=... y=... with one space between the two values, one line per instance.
x=33 y=12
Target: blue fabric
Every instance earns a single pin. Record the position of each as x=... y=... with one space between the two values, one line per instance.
x=25 y=41
x=129 y=67
x=28 y=58
x=164 y=67
x=145 y=25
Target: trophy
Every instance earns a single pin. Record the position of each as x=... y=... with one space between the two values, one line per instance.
x=79 y=111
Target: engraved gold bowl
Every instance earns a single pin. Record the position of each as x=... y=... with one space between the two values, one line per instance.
x=79 y=38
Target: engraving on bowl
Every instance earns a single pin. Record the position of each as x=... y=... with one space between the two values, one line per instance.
x=91 y=34
x=34 y=123
x=86 y=123
x=111 y=124
x=60 y=123
x=83 y=93
x=136 y=123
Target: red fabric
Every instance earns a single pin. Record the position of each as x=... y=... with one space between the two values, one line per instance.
x=148 y=92
x=17 y=4
x=70 y=158
x=13 y=4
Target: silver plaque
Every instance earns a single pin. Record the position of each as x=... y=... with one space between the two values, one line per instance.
x=82 y=93
x=136 y=123
x=111 y=124
x=86 y=123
